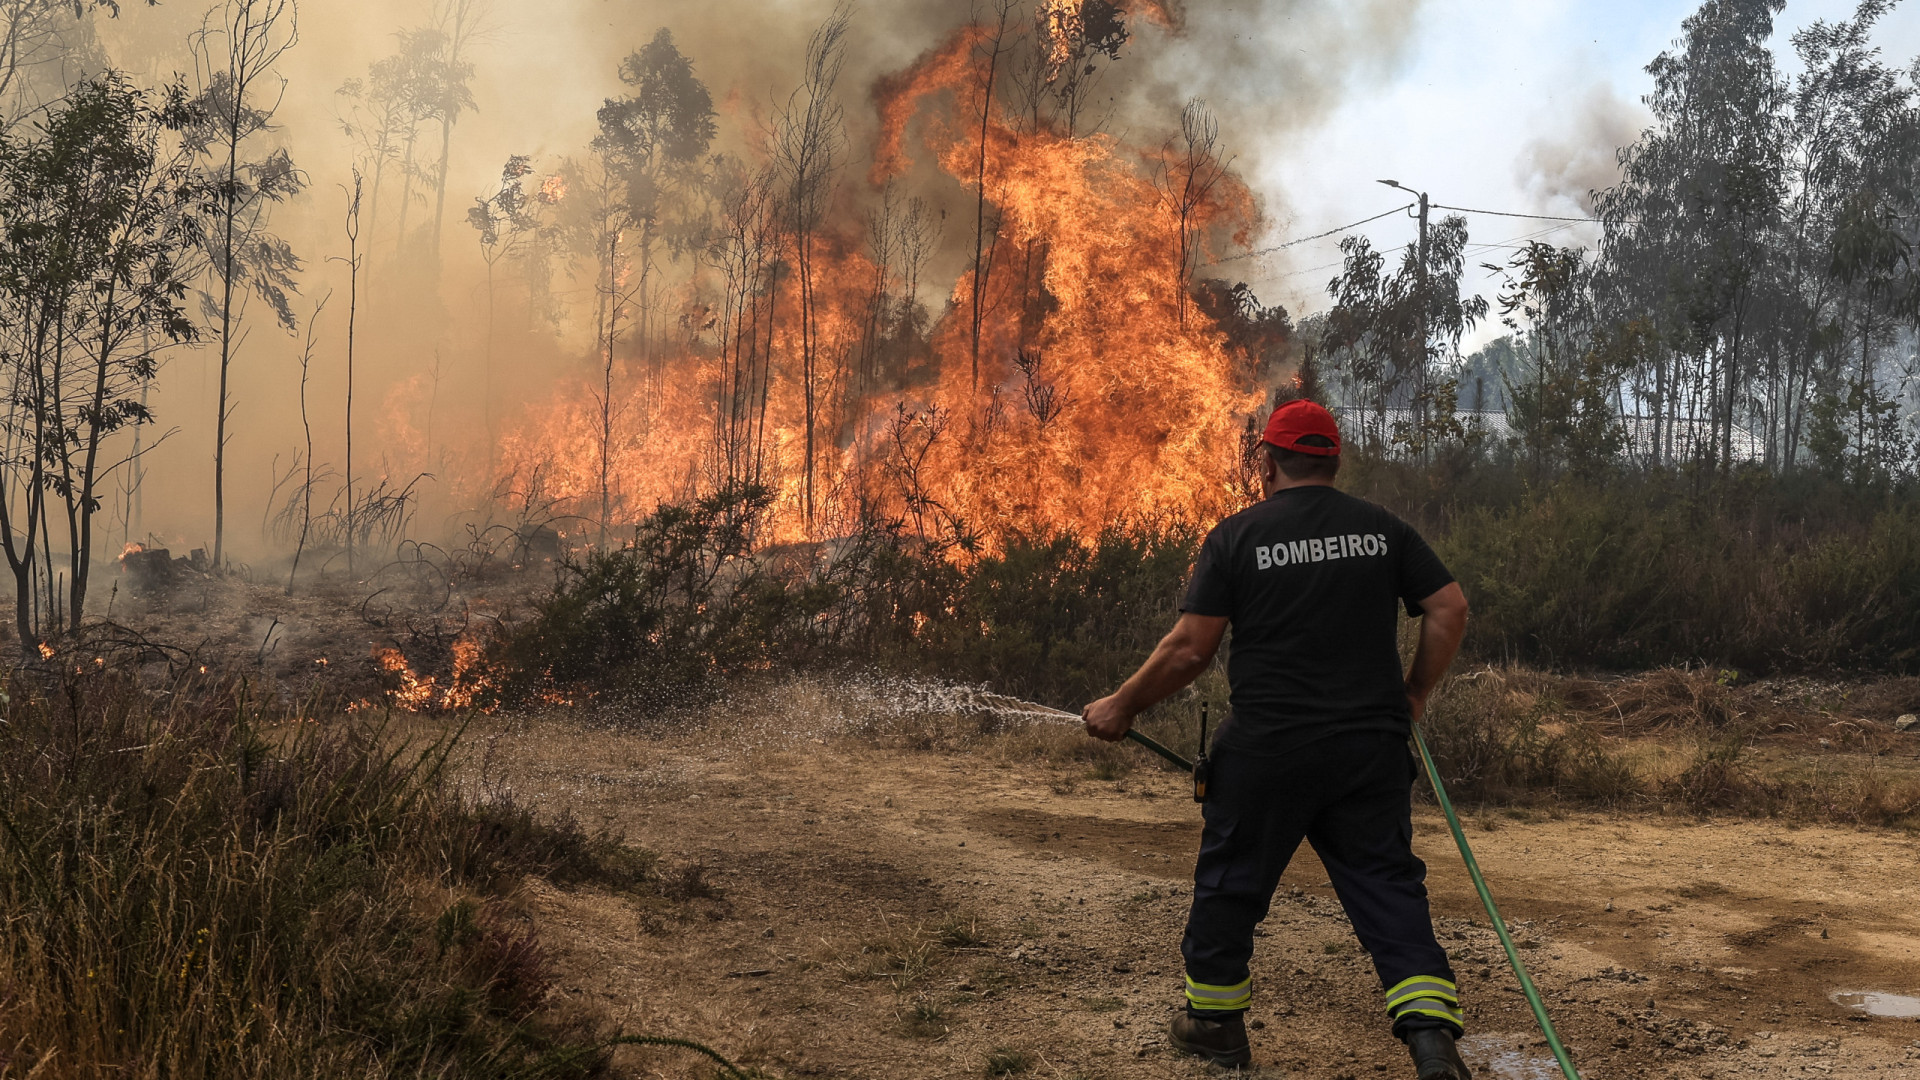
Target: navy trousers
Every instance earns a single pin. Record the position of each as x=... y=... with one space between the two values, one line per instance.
x=1350 y=797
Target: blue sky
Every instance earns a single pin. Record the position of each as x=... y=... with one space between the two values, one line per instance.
x=1485 y=92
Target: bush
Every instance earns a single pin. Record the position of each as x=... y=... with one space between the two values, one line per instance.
x=1638 y=574
x=1056 y=619
x=690 y=606
x=199 y=890
x=1499 y=737
x=684 y=608
x=1630 y=571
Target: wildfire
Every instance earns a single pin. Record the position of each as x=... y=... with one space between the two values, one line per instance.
x=1063 y=23
x=467 y=680
x=1069 y=387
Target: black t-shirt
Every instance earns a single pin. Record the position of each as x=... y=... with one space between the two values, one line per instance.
x=1312 y=580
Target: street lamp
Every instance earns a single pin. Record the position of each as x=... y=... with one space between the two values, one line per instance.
x=1426 y=302
x=1423 y=219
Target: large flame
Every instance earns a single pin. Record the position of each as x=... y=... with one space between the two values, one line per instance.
x=1085 y=401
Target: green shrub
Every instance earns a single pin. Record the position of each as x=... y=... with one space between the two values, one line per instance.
x=1637 y=574
x=687 y=606
x=1054 y=619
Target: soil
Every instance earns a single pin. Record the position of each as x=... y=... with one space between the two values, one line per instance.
x=848 y=906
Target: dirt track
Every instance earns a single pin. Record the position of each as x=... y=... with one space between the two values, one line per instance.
x=884 y=912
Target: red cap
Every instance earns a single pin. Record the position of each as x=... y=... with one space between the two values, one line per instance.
x=1296 y=419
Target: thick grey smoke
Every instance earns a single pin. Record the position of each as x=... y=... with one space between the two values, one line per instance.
x=1268 y=69
x=1563 y=170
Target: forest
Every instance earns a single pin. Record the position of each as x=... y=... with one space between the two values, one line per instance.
x=763 y=316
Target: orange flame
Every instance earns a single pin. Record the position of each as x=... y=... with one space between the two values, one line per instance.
x=1095 y=394
x=467 y=680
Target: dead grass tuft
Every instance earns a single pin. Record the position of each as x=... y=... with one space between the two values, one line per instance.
x=924 y=1020
x=201 y=888
x=1006 y=1061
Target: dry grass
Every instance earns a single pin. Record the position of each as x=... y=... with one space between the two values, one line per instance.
x=905 y=954
x=203 y=889
x=1688 y=740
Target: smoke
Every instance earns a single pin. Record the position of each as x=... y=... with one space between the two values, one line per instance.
x=1566 y=168
x=1267 y=68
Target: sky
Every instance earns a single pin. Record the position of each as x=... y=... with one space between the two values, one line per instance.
x=1483 y=94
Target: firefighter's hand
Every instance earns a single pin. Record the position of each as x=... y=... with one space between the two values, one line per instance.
x=1107 y=720
x=1418 y=704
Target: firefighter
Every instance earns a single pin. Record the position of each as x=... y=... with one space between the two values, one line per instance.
x=1316 y=747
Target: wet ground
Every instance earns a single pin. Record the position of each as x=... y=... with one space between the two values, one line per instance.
x=835 y=906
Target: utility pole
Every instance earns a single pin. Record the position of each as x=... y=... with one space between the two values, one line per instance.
x=1426 y=304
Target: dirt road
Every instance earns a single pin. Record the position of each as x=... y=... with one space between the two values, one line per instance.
x=837 y=907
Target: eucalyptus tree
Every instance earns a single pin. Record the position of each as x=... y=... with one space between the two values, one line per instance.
x=38 y=39
x=235 y=54
x=1758 y=246
x=1395 y=336
x=808 y=144
x=100 y=210
x=1074 y=42
x=1688 y=229
x=1562 y=390
x=655 y=138
x=447 y=92
x=506 y=221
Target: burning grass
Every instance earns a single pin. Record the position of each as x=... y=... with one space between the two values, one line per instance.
x=203 y=888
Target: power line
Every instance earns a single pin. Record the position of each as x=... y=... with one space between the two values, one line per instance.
x=1389 y=213
x=1513 y=243
x=1509 y=213
x=1315 y=236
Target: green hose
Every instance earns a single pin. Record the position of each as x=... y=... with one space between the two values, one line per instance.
x=1172 y=758
x=1493 y=912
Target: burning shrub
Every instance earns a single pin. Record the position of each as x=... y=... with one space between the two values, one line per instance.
x=689 y=605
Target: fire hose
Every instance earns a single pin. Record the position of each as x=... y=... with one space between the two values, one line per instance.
x=1527 y=988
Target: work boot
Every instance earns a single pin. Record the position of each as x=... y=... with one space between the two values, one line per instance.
x=1435 y=1056
x=1223 y=1042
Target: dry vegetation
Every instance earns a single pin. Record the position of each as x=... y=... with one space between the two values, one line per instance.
x=205 y=886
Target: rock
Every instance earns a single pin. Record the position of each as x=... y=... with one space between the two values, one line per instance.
x=1909 y=722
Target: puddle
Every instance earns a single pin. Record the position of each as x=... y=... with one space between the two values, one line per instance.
x=1494 y=1056
x=1874 y=1003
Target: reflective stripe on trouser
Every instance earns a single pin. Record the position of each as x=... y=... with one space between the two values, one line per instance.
x=1206 y=998
x=1349 y=795
x=1425 y=996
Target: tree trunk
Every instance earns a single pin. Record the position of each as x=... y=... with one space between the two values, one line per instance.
x=980 y=195
x=83 y=547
